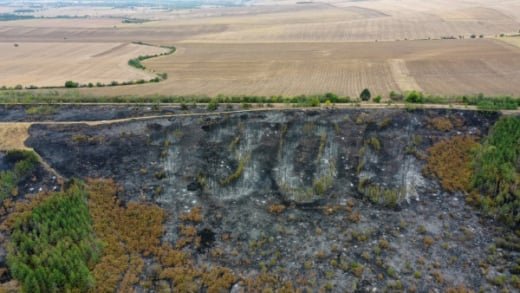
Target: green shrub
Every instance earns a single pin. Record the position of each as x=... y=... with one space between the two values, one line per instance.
x=136 y=63
x=333 y=98
x=25 y=162
x=377 y=99
x=8 y=184
x=414 y=97
x=212 y=106
x=492 y=103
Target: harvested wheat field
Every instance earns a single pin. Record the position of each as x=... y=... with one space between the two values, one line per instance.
x=51 y=64
x=275 y=48
x=276 y=21
x=437 y=67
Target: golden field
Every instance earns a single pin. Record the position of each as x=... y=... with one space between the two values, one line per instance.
x=275 y=48
x=51 y=64
x=447 y=67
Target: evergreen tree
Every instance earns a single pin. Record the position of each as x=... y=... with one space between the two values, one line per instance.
x=365 y=95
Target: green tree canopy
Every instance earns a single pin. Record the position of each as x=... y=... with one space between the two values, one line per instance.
x=53 y=246
x=365 y=95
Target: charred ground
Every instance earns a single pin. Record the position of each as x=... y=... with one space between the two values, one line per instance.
x=331 y=199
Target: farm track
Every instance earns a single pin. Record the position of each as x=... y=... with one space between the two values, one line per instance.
x=275 y=107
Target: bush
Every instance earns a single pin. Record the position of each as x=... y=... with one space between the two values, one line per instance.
x=8 y=183
x=333 y=98
x=450 y=161
x=136 y=63
x=396 y=96
x=212 y=106
x=24 y=163
x=414 y=97
x=377 y=99
x=441 y=123
x=365 y=95
x=71 y=84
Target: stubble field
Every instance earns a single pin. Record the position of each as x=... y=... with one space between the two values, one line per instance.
x=51 y=64
x=446 y=67
x=277 y=48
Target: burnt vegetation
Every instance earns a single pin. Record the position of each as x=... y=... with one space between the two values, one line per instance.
x=171 y=218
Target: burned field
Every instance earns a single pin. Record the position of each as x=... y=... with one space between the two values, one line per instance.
x=339 y=200
x=205 y=149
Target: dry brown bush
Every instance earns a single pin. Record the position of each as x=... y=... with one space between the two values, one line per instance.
x=449 y=160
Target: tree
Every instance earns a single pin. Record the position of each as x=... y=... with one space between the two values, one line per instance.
x=71 y=84
x=53 y=245
x=365 y=95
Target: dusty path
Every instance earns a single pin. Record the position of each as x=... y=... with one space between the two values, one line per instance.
x=14 y=134
x=274 y=107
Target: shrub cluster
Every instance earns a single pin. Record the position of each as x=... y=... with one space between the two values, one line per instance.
x=450 y=161
x=24 y=163
x=496 y=171
x=75 y=97
x=488 y=172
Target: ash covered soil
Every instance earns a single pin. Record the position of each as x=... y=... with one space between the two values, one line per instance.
x=325 y=199
x=90 y=112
